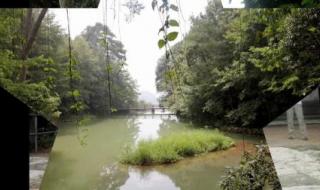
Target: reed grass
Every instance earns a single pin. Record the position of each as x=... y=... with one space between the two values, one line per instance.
x=174 y=147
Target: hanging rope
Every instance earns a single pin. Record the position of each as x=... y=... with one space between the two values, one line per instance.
x=108 y=65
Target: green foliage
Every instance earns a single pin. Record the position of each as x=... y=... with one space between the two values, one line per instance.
x=47 y=85
x=166 y=23
x=256 y=172
x=247 y=69
x=35 y=95
x=94 y=68
x=79 y=3
x=281 y=3
x=44 y=3
x=172 y=36
x=161 y=43
x=173 y=22
x=174 y=147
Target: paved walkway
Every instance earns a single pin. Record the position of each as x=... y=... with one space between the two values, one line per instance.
x=38 y=164
x=277 y=136
x=297 y=161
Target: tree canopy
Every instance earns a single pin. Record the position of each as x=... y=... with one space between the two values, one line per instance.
x=45 y=83
x=242 y=67
x=281 y=3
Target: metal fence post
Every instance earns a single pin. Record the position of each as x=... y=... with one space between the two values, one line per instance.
x=35 y=133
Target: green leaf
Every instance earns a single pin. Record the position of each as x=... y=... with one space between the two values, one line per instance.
x=73 y=60
x=109 y=68
x=307 y=2
x=312 y=29
x=174 y=7
x=173 y=22
x=76 y=93
x=161 y=43
x=172 y=36
x=113 y=110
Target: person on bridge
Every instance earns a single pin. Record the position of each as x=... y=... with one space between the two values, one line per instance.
x=152 y=110
x=296 y=110
x=162 y=107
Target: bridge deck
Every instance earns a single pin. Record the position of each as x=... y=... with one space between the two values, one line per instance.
x=155 y=114
x=142 y=109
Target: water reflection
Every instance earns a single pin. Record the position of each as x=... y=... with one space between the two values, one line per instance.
x=148 y=128
x=145 y=180
x=112 y=177
x=96 y=166
x=151 y=127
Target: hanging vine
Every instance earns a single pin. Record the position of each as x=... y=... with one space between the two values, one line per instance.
x=167 y=24
x=243 y=144
x=105 y=43
x=77 y=105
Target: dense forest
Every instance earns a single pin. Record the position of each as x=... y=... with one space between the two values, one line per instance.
x=281 y=3
x=242 y=67
x=35 y=65
x=230 y=68
x=64 y=3
x=79 y=3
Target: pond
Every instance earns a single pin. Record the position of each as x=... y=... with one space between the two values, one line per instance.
x=96 y=166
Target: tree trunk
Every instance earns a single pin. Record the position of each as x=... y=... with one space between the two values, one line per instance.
x=27 y=23
x=30 y=36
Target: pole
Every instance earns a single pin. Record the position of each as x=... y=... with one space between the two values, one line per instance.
x=36 y=133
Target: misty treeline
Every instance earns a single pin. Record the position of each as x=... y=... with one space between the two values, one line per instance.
x=34 y=65
x=242 y=67
x=64 y=3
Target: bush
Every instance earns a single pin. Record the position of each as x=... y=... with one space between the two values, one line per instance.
x=174 y=147
x=255 y=173
x=36 y=95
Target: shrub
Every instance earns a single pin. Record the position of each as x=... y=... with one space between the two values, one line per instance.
x=256 y=172
x=174 y=147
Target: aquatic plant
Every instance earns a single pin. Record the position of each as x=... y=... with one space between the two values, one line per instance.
x=174 y=147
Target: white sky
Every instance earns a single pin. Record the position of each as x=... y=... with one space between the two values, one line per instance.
x=139 y=37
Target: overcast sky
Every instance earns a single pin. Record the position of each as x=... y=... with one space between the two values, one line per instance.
x=140 y=36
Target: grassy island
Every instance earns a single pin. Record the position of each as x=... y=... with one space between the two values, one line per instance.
x=174 y=147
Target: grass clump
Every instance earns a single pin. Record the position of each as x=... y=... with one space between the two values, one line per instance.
x=174 y=147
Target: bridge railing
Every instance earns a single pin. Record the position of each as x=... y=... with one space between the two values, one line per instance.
x=146 y=111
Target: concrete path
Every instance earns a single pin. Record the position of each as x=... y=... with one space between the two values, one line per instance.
x=297 y=161
x=297 y=169
x=38 y=164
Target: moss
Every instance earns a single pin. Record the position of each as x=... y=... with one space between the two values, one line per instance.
x=174 y=147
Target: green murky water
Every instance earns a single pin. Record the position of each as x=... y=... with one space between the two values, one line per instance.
x=95 y=166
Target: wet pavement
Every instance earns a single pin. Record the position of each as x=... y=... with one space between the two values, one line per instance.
x=297 y=161
x=38 y=164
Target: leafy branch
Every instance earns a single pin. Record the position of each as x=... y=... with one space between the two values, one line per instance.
x=167 y=23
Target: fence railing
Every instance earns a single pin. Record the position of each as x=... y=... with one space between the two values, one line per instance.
x=36 y=134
